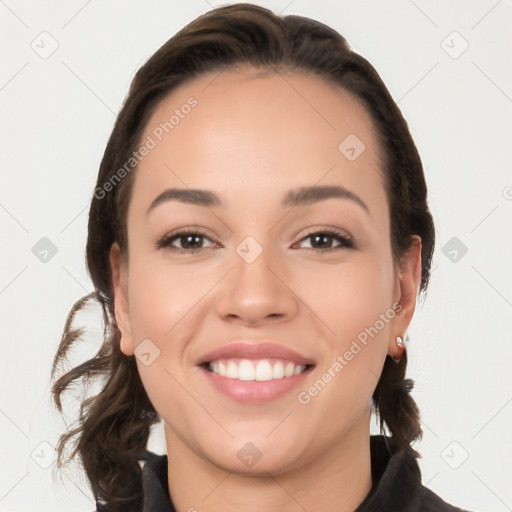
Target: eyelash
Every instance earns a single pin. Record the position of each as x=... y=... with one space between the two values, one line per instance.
x=165 y=242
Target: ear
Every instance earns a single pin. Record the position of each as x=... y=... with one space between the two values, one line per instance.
x=406 y=290
x=119 y=269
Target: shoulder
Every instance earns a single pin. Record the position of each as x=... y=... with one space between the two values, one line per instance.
x=431 y=502
x=153 y=475
x=397 y=481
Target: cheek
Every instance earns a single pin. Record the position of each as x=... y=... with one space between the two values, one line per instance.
x=356 y=303
x=162 y=302
x=161 y=296
x=350 y=297
x=169 y=305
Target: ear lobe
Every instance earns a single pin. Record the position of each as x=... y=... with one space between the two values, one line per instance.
x=119 y=272
x=409 y=281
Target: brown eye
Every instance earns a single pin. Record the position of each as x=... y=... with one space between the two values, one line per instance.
x=188 y=240
x=322 y=241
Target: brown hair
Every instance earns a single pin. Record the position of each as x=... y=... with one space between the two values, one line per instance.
x=113 y=426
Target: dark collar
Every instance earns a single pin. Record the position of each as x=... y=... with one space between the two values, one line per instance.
x=396 y=483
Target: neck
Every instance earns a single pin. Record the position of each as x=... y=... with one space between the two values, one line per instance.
x=337 y=480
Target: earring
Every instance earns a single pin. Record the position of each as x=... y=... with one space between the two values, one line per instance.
x=400 y=343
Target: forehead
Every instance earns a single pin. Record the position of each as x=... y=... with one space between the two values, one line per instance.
x=259 y=131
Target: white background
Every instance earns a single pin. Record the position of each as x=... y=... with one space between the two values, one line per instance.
x=57 y=114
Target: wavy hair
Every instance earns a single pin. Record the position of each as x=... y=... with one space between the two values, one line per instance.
x=113 y=426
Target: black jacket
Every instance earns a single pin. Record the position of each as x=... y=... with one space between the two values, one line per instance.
x=396 y=487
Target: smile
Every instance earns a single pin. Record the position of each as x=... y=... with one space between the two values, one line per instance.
x=254 y=372
x=259 y=370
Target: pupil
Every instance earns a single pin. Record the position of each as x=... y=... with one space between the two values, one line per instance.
x=188 y=244
x=324 y=238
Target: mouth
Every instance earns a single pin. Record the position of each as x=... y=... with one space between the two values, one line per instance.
x=255 y=373
x=256 y=369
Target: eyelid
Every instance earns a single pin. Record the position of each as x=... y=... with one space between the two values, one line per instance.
x=165 y=241
x=346 y=239
x=329 y=229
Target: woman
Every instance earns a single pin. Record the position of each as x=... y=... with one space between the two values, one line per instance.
x=258 y=236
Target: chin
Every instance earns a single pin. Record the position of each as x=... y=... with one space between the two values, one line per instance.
x=256 y=455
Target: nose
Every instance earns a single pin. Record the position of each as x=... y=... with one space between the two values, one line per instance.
x=257 y=292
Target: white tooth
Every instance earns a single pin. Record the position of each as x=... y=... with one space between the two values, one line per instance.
x=298 y=369
x=232 y=370
x=278 y=370
x=263 y=370
x=221 y=369
x=245 y=370
x=288 y=371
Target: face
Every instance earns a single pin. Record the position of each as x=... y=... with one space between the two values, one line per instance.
x=261 y=306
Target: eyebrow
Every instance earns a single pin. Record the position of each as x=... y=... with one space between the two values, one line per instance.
x=297 y=197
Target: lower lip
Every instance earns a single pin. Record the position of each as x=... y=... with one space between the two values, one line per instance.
x=254 y=391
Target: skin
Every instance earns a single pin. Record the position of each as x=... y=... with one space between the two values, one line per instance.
x=252 y=137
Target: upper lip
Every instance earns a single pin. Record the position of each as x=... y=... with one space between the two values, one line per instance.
x=244 y=350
